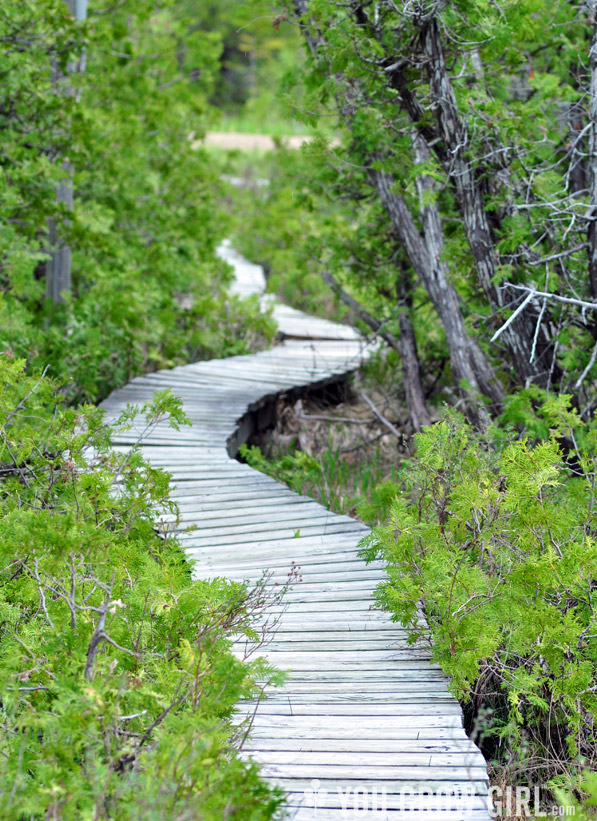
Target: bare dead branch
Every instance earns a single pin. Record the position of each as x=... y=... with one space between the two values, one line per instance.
x=381 y=417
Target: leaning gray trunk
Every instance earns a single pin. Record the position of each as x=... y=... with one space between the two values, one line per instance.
x=469 y=365
x=413 y=384
x=58 y=267
x=453 y=133
x=433 y=235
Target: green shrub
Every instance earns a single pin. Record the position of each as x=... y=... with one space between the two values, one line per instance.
x=298 y=470
x=117 y=677
x=301 y=229
x=493 y=538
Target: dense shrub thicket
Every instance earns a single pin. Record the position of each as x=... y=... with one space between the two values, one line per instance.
x=148 y=289
x=304 y=228
x=116 y=671
x=493 y=535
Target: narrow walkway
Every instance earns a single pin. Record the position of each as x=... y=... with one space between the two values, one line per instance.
x=365 y=726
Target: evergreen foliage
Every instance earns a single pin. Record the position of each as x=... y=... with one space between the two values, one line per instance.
x=465 y=179
x=492 y=536
x=116 y=671
x=467 y=167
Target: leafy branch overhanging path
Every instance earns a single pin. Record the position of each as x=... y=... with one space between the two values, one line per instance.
x=364 y=720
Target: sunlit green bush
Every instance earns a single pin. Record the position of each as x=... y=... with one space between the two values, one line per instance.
x=117 y=678
x=492 y=539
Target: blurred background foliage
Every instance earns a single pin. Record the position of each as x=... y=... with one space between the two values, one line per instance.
x=148 y=288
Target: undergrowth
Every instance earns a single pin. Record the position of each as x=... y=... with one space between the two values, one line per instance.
x=493 y=535
x=148 y=289
x=117 y=677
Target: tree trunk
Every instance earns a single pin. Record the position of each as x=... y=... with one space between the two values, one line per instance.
x=59 y=266
x=413 y=386
x=576 y=173
x=405 y=347
x=465 y=356
x=470 y=196
x=470 y=367
x=434 y=239
x=449 y=138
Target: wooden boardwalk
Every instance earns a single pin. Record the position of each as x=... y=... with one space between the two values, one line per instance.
x=365 y=726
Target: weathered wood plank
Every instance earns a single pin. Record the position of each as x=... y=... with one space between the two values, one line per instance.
x=346 y=812
x=242 y=536
x=368 y=725
x=388 y=709
x=395 y=758
x=388 y=771
x=388 y=746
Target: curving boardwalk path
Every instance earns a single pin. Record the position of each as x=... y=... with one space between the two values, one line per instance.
x=365 y=726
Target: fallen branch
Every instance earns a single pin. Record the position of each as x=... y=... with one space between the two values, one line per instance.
x=511 y=318
x=346 y=419
x=553 y=257
x=590 y=364
x=381 y=417
x=362 y=444
x=532 y=293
